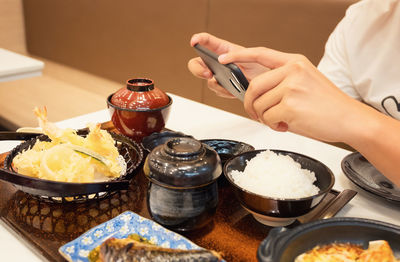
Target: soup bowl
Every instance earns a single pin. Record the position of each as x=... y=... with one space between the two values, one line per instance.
x=279 y=211
x=138 y=123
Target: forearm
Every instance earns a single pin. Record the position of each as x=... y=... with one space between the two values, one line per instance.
x=377 y=137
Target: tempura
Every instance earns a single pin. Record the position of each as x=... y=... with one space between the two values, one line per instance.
x=69 y=157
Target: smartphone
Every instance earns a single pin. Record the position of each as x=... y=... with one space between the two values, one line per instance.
x=228 y=76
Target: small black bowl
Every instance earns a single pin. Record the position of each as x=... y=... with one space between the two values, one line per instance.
x=282 y=244
x=280 y=211
x=226 y=149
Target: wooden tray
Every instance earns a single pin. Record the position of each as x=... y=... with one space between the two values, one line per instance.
x=233 y=232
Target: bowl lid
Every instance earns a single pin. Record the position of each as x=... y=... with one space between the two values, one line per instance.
x=183 y=162
x=159 y=138
x=140 y=93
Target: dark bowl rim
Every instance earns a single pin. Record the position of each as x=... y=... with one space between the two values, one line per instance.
x=56 y=191
x=342 y=221
x=225 y=140
x=285 y=235
x=354 y=177
x=138 y=110
x=323 y=192
x=82 y=132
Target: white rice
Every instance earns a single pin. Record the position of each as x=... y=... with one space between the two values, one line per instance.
x=278 y=176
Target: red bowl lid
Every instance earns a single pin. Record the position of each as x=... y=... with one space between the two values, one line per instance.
x=140 y=93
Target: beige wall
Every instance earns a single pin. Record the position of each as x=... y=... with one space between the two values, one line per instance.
x=124 y=38
x=12 y=31
x=120 y=39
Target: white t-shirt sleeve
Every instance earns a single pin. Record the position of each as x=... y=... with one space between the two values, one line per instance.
x=334 y=64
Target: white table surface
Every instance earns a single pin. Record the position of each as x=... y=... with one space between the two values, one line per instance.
x=203 y=122
x=15 y=66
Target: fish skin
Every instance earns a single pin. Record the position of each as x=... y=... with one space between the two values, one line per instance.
x=129 y=250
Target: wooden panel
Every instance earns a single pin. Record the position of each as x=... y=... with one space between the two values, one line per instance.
x=12 y=32
x=286 y=25
x=66 y=92
x=298 y=26
x=120 y=39
x=62 y=100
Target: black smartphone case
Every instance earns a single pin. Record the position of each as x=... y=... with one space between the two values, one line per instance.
x=228 y=76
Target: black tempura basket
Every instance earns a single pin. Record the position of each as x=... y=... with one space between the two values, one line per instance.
x=66 y=192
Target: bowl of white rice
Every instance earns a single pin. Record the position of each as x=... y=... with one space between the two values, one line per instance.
x=278 y=186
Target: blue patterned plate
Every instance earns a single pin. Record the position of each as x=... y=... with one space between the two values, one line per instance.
x=120 y=227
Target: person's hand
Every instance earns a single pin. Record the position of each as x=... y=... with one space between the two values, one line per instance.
x=294 y=96
x=219 y=46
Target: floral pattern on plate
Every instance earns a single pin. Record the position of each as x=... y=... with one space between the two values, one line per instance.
x=120 y=227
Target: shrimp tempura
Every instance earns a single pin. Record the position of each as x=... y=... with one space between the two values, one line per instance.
x=55 y=133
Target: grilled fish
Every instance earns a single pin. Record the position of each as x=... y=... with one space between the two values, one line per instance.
x=116 y=250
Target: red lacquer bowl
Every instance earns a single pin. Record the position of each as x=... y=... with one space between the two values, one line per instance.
x=140 y=109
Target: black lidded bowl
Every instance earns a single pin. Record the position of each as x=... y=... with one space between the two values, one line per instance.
x=183 y=191
x=284 y=245
x=280 y=211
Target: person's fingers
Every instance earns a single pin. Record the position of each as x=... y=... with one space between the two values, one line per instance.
x=213 y=43
x=262 y=84
x=199 y=68
x=202 y=38
x=265 y=56
x=219 y=90
x=267 y=100
x=275 y=118
x=278 y=118
x=282 y=127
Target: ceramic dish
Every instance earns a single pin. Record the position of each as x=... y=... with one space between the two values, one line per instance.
x=134 y=123
x=279 y=211
x=120 y=227
x=284 y=244
x=363 y=174
x=227 y=149
x=183 y=191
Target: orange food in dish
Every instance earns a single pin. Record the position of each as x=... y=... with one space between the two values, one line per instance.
x=378 y=250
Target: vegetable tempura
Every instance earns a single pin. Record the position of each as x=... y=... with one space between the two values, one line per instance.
x=70 y=157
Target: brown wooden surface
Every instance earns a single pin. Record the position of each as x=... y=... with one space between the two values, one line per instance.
x=65 y=91
x=47 y=226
